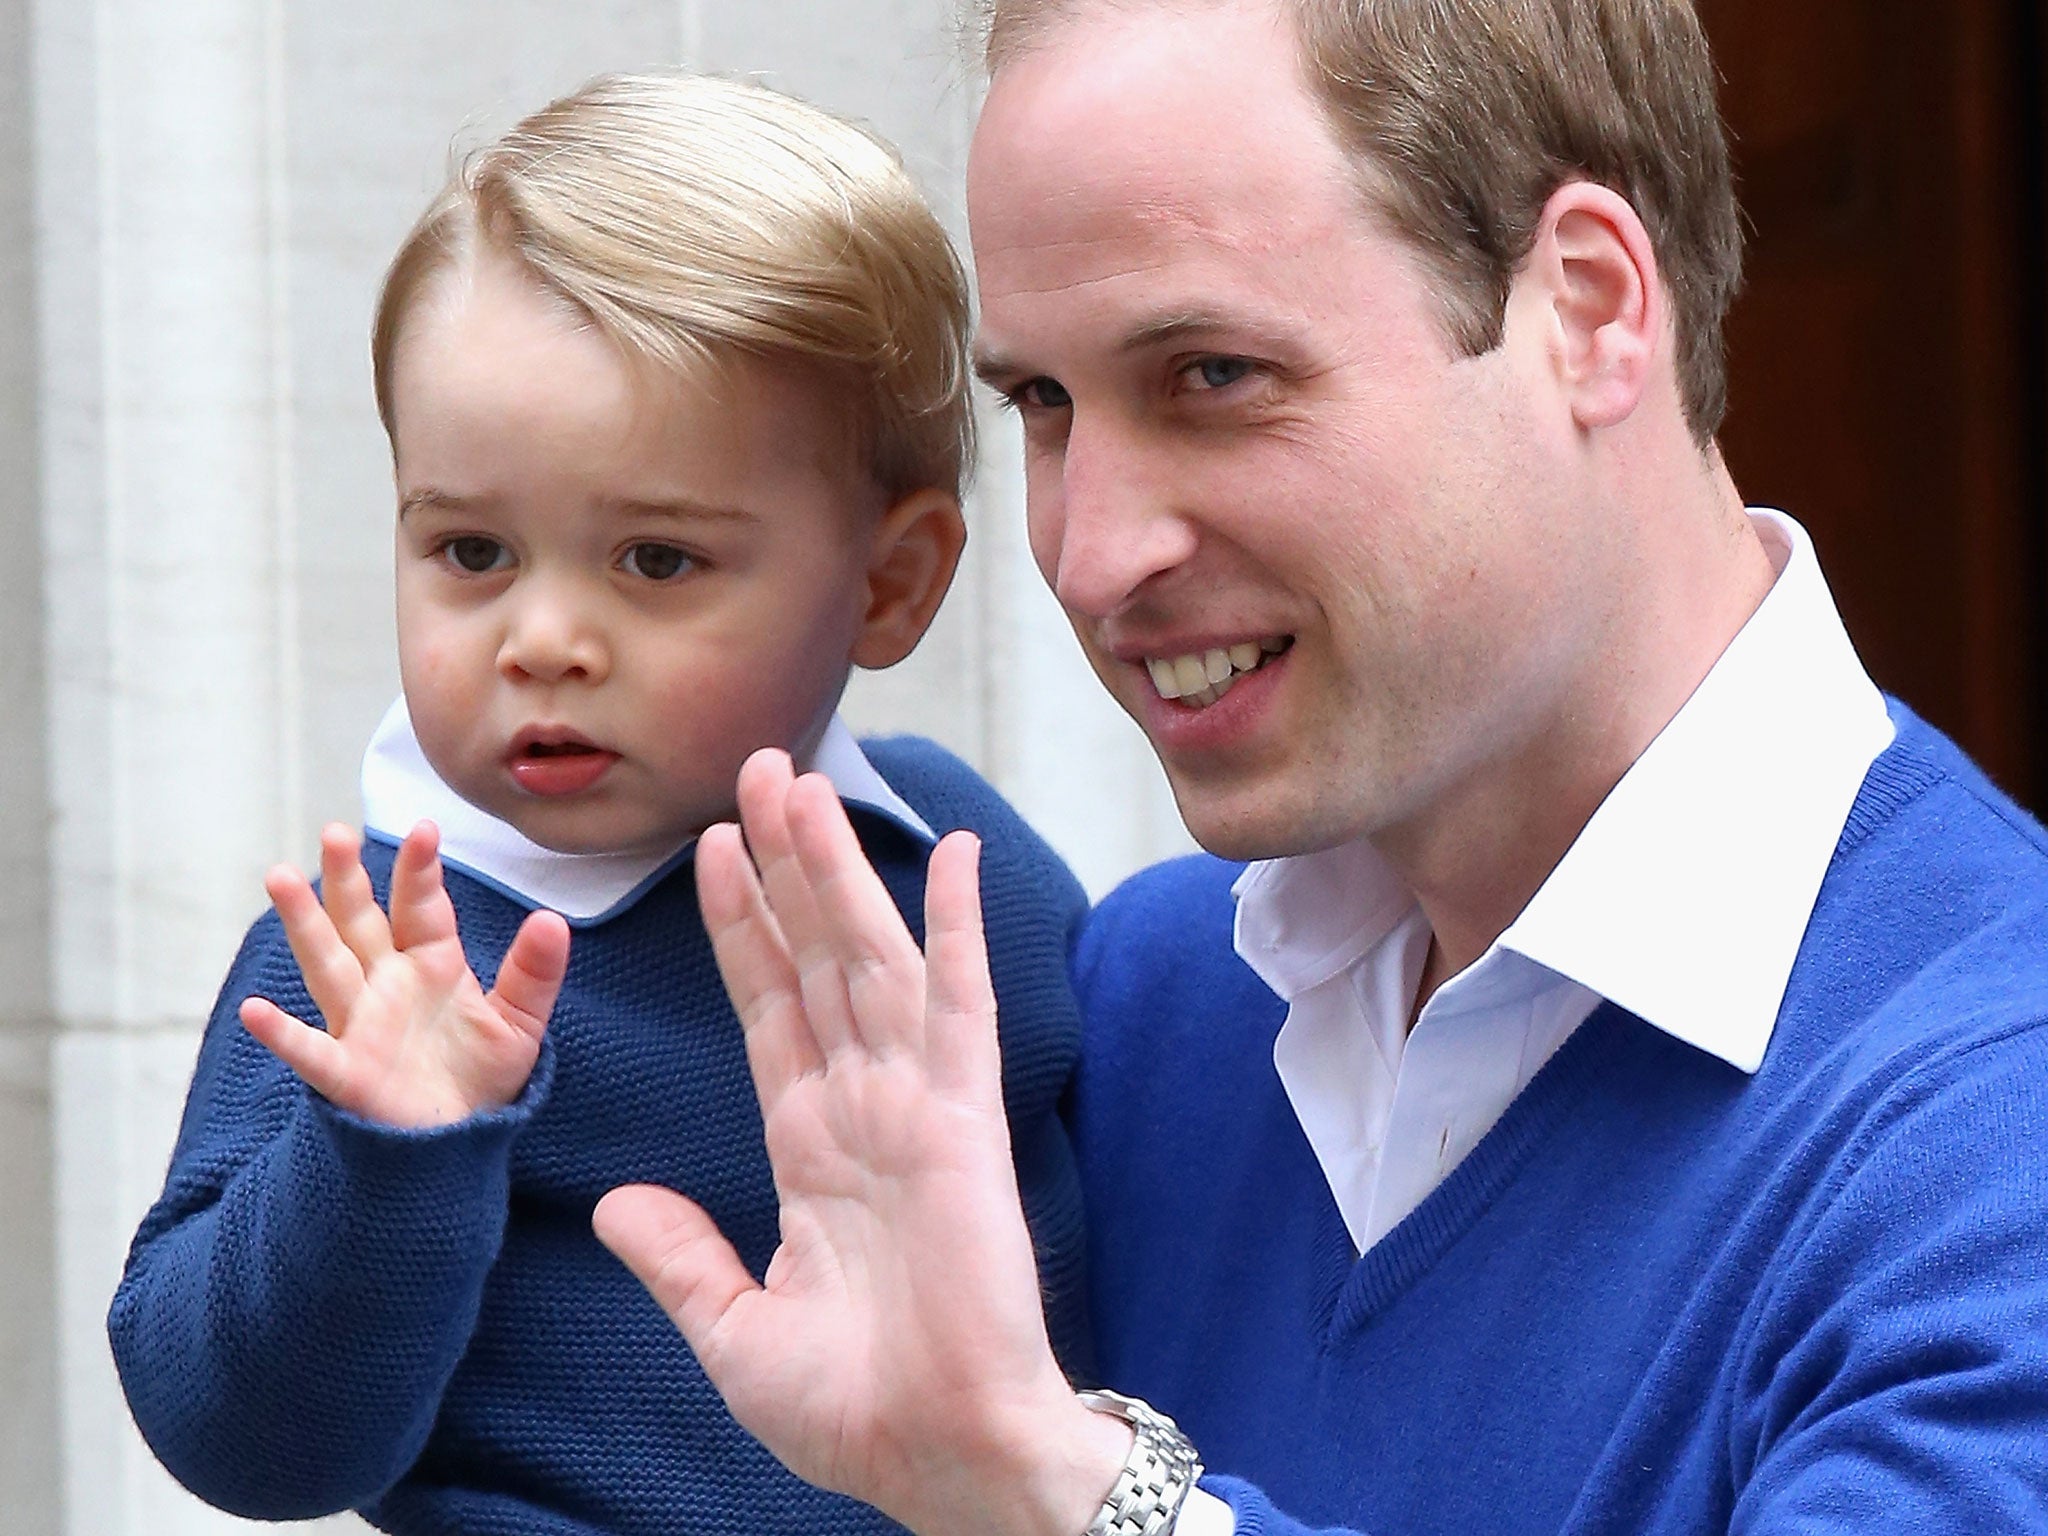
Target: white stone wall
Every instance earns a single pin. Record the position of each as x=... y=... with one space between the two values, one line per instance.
x=196 y=201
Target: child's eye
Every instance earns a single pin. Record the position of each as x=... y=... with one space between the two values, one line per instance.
x=476 y=555
x=656 y=562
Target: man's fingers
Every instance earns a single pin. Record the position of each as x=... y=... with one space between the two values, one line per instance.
x=530 y=977
x=314 y=1055
x=420 y=909
x=678 y=1253
x=765 y=783
x=755 y=964
x=960 y=1005
x=857 y=935
x=345 y=891
x=334 y=976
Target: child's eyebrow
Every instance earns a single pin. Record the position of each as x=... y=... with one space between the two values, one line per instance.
x=432 y=500
x=671 y=509
x=683 y=510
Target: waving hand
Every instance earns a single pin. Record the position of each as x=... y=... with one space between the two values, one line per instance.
x=896 y=1349
x=412 y=1038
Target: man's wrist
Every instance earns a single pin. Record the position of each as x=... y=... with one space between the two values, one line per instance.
x=1081 y=1472
x=1156 y=1476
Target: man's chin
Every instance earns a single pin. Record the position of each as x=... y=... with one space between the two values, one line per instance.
x=1251 y=824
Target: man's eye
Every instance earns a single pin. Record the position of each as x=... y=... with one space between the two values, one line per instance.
x=656 y=562
x=476 y=554
x=1220 y=372
x=1042 y=394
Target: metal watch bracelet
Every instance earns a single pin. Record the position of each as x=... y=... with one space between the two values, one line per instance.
x=1156 y=1476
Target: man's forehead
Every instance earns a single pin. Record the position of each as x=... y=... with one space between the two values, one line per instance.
x=1014 y=28
x=1115 y=122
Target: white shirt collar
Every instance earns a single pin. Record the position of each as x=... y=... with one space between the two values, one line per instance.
x=1685 y=897
x=400 y=788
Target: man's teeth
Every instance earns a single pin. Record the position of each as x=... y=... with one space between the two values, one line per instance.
x=1202 y=679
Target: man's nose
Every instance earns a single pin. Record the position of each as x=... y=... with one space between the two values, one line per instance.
x=551 y=635
x=1107 y=518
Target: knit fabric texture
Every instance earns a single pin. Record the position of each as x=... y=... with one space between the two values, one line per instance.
x=1660 y=1297
x=320 y=1313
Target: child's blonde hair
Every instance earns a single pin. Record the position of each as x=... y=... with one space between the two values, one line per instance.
x=695 y=219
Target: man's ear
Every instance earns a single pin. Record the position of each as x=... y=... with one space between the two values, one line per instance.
x=915 y=550
x=1596 y=273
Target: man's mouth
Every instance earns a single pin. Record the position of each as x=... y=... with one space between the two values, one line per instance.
x=1200 y=678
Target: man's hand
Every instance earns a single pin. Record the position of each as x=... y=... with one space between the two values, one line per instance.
x=412 y=1038
x=897 y=1351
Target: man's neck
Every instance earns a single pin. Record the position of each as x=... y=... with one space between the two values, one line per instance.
x=1481 y=852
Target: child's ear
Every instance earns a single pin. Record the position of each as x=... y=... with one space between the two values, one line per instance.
x=914 y=551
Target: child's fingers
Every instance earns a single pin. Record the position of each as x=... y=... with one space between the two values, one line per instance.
x=333 y=975
x=765 y=784
x=346 y=892
x=755 y=963
x=679 y=1254
x=857 y=933
x=317 y=1058
x=530 y=978
x=960 y=1006
x=420 y=909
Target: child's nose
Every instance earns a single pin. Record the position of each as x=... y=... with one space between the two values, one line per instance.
x=549 y=638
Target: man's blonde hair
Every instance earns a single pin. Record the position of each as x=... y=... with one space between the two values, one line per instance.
x=1461 y=118
x=695 y=220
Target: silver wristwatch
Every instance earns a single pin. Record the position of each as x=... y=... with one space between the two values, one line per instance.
x=1156 y=1477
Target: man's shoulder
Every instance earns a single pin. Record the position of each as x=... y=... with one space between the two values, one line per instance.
x=1925 y=792
x=1929 y=939
x=1194 y=889
x=1935 y=852
x=1166 y=934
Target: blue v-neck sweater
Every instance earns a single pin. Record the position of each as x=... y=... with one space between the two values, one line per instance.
x=1660 y=1297
x=322 y=1313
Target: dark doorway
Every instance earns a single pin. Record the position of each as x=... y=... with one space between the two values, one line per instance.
x=1889 y=356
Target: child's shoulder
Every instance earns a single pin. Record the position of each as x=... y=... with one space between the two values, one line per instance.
x=939 y=786
x=950 y=795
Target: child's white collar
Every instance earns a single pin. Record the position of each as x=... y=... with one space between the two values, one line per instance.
x=401 y=789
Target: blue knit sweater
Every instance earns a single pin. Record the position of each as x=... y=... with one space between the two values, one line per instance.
x=322 y=1313
x=1660 y=1297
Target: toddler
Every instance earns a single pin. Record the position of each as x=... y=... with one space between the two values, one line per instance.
x=674 y=379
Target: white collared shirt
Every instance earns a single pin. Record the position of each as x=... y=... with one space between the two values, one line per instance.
x=1657 y=907
x=401 y=789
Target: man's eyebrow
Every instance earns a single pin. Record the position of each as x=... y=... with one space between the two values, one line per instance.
x=1191 y=324
x=993 y=368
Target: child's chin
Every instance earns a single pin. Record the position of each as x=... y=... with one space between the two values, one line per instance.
x=561 y=835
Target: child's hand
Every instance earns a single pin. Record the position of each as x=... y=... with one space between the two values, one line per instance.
x=412 y=1040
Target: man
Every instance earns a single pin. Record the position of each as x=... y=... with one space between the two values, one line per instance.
x=1655 y=1144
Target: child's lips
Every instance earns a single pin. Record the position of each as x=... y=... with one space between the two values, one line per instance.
x=558 y=767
